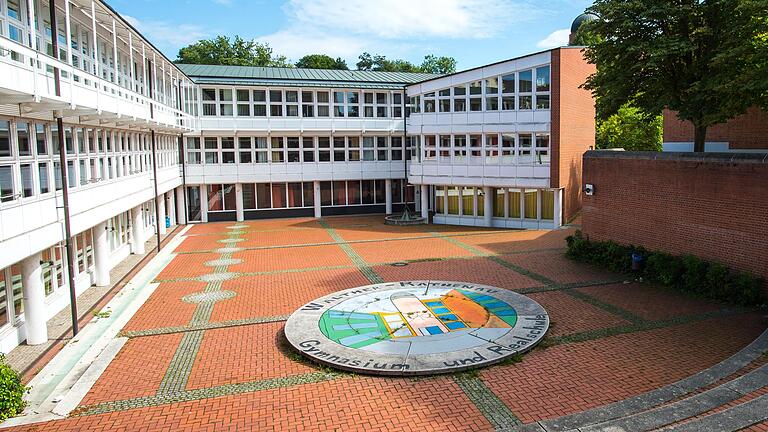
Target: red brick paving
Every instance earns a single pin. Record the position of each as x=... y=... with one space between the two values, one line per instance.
x=563 y=379
x=400 y=250
x=549 y=382
x=263 y=260
x=188 y=265
x=281 y=293
x=476 y=270
x=569 y=315
x=137 y=370
x=242 y=354
x=555 y=266
x=286 y=237
x=649 y=302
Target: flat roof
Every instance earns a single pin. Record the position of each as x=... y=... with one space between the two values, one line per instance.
x=253 y=75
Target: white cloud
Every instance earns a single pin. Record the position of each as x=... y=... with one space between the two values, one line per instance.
x=555 y=39
x=345 y=28
x=167 y=36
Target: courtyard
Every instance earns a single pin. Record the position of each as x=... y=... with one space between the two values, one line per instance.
x=206 y=351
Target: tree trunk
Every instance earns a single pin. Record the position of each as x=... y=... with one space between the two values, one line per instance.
x=699 y=138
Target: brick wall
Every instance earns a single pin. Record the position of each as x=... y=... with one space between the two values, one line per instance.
x=712 y=205
x=573 y=124
x=747 y=131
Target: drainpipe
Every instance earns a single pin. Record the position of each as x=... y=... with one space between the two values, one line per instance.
x=67 y=227
x=55 y=43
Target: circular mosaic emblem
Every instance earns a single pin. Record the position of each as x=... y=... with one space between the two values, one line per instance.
x=416 y=327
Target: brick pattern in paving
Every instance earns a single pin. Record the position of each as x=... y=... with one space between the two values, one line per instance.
x=222 y=365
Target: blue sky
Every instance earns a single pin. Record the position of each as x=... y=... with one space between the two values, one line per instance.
x=475 y=32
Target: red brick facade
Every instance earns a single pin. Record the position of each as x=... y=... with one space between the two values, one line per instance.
x=712 y=206
x=573 y=124
x=747 y=131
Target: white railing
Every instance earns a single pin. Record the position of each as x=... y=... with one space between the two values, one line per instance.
x=80 y=88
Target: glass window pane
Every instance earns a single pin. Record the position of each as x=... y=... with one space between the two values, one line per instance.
x=249 y=196
x=542 y=79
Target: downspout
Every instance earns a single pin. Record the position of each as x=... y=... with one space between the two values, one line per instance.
x=157 y=206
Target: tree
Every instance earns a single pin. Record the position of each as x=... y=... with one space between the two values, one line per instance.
x=431 y=64
x=630 y=129
x=321 y=61
x=438 y=65
x=660 y=54
x=222 y=51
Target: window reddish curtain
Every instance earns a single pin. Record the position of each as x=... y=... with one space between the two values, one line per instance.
x=339 y=193
x=353 y=192
x=294 y=194
x=278 y=195
x=214 y=198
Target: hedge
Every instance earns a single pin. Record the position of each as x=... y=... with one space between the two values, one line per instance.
x=11 y=391
x=685 y=273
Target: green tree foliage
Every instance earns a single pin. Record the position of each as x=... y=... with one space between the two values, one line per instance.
x=630 y=129
x=321 y=61
x=431 y=64
x=238 y=52
x=689 y=56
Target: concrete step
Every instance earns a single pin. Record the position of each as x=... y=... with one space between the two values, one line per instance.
x=732 y=419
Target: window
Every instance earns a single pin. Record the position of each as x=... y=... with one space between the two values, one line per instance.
x=468 y=201
x=453 y=200
x=507 y=148
x=429 y=102
x=227 y=150
x=278 y=195
x=324 y=149
x=40 y=139
x=225 y=102
x=397 y=147
x=275 y=100
x=261 y=149
x=243 y=103
x=531 y=210
x=542 y=79
x=264 y=196
x=308 y=189
x=323 y=101
x=498 y=203
x=526 y=148
x=338 y=149
x=525 y=81
x=249 y=196
x=368 y=145
x=382 y=150
x=211 y=150
x=542 y=148
x=459 y=148
x=292 y=107
x=542 y=101
x=209 y=102
x=547 y=204
x=307 y=109
x=259 y=103
x=508 y=84
x=308 y=146
x=430 y=152
x=42 y=173
x=294 y=195
x=244 y=144
x=22 y=139
x=6 y=184
x=353 y=145
x=278 y=149
x=293 y=149
x=193 y=150
x=5 y=138
x=513 y=207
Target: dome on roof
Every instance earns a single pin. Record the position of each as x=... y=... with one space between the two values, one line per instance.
x=581 y=19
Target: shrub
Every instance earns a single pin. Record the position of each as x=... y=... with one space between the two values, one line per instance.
x=688 y=273
x=11 y=391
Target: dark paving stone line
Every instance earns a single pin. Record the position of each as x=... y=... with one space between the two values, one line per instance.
x=202 y=326
x=493 y=409
x=205 y=393
x=615 y=310
x=654 y=398
x=735 y=418
x=689 y=407
x=359 y=262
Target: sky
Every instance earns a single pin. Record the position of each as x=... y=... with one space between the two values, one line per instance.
x=474 y=32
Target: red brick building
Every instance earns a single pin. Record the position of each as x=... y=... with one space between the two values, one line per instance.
x=747 y=132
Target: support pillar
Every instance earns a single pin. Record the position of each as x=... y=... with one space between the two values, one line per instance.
x=101 y=254
x=170 y=205
x=425 y=201
x=181 y=214
x=239 y=202
x=161 y=214
x=487 y=206
x=318 y=204
x=203 y=203
x=137 y=234
x=34 y=300
x=558 y=215
x=388 y=195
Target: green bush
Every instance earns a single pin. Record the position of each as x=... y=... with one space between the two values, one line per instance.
x=11 y=391
x=687 y=273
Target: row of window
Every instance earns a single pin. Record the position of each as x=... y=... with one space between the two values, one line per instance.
x=507 y=203
x=260 y=149
x=228 y=102
x=30 y=163
x=14 y=25
x=515 y=91
x=489 y=148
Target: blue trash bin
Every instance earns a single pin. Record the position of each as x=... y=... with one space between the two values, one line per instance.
x=167 y=221
x=637 y=261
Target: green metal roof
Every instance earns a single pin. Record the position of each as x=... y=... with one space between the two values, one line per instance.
x=247 y=75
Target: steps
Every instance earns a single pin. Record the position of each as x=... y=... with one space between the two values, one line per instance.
x=691 y=404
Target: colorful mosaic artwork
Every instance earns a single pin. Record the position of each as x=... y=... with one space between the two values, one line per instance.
x=417 y=327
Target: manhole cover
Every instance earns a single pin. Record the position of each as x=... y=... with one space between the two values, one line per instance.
x=416 y=327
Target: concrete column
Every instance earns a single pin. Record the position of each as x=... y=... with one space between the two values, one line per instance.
x=203 y=203
x=101 y=254
x=388 y=195
x=318 y=204
x=34 y=300
x=161 y=212
x=137 y=234
x=487 y=206
x=417 y=199
x=170 y=205
x=239 y=202
x=181 y=212
x=425 y=201
x=558 y=220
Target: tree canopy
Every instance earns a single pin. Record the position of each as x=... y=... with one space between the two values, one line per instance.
x=431 y=64
x=238 y=52
x=321 y=61
x=630 y=129
x=689 y=56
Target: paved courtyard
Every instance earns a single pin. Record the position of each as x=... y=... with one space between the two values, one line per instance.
x=206 y=351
